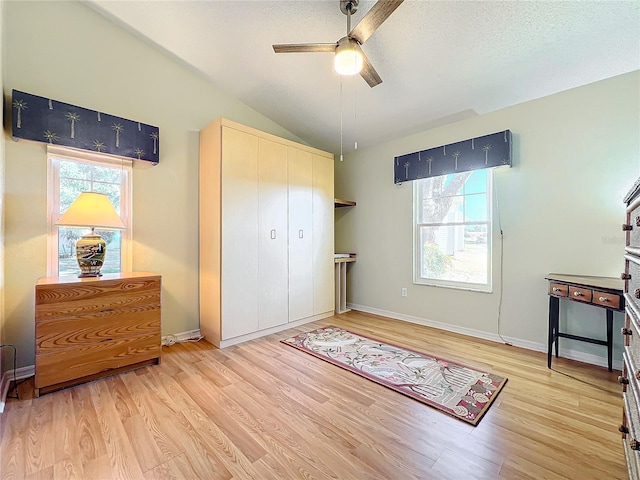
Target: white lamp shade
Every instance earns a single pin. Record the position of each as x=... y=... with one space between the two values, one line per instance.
x=348 y=59
x=91 y=209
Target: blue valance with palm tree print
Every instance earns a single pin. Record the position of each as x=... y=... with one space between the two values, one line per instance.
x=488 y=151
x=45 y=120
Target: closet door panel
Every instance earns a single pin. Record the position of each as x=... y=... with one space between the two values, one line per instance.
x=273 y=261
x=300 y=234
x=239 y=233
x=323 y=249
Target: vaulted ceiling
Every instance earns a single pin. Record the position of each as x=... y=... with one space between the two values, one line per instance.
x=440 y=61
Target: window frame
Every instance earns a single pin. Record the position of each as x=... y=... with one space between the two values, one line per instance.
x=54 y=155
x=417 y=248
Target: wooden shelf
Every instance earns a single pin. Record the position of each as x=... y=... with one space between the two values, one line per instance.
x=344 y=259
x=344 y=203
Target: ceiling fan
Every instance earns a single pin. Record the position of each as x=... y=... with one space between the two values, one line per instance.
x=349 y=57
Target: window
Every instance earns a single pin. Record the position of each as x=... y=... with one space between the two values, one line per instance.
x=452 y=238
x=70 y=173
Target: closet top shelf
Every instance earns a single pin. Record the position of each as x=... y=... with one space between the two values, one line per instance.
x=344 y=203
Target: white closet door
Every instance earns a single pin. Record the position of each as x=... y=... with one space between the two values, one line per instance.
x=239 y=233
x=300 y=234
x=323 y=250
x=273 y=262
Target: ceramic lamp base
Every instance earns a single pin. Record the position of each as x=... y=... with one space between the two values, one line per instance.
x=90 y=252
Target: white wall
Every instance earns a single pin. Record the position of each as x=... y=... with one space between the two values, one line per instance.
x=576 y=154
x=68 y=52
x=2 y=354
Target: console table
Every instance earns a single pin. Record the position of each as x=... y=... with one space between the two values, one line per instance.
x=601 y=292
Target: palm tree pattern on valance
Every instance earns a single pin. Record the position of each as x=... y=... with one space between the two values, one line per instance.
x=50 y=121
x=492 y=150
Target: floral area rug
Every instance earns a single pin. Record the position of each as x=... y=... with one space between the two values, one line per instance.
x=460 y=391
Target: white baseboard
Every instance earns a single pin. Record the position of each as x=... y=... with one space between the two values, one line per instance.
x=7 y=378
x=269 y=331
x=518 y=342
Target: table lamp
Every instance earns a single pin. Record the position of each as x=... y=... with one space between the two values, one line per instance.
x=93 y=210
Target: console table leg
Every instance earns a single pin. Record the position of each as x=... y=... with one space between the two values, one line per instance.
x=554 y=310
x=610 y=339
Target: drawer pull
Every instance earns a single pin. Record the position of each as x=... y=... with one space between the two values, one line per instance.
x=556 y=289
x=623 y=429
x=623 y=380
x=625 y=276
x=578 y=294
x=638 y=221
x=626 y=331
x=603 y=299
x=626 y=227
x=636 y=293
x=634 y=444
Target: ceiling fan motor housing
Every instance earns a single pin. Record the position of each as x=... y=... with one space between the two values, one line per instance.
x=349 y=5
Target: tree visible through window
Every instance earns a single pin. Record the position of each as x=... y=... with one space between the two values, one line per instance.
x=452 y=241
x=68 y=178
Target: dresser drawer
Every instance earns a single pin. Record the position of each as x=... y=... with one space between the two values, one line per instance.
x=558 y=289
x=632 y=420
x=80 y=298
x=633 y=222
x=58 y=334
x=633 y=459
x=632 y=338
x=580 y=294
x=632 y=282
x=76 y=363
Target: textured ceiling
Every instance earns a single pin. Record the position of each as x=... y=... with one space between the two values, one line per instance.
x=440 y=61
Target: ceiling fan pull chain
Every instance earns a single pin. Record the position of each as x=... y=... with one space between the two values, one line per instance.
x=341 y=157
x=355 y=114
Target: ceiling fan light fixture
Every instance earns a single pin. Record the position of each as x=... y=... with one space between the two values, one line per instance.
x=348 y=59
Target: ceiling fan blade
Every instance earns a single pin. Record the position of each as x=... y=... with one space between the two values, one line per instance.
x=305 y=47
x=373 y=19
x=368 y=72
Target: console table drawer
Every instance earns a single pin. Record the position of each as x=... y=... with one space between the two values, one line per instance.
x=580 y=294
x=558 y=289
x=609 y=300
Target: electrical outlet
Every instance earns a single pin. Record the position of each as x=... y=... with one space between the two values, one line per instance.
x=404 y=292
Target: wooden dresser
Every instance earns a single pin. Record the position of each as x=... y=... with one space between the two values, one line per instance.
x=630 y=378
x=87 y=328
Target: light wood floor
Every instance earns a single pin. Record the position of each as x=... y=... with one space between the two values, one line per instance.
x=263 y=410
